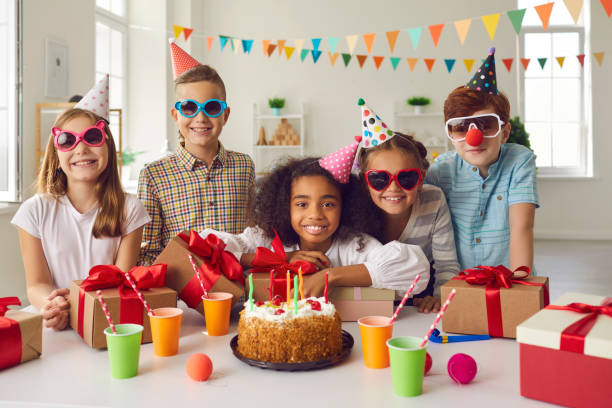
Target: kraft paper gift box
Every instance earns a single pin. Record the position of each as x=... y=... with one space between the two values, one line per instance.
x=86 y=315
x=353 y=303
x=566 y=352
x=219 y=269
x=488 y=307
x=20 y=334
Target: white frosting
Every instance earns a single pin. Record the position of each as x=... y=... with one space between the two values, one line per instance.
x=267 y=310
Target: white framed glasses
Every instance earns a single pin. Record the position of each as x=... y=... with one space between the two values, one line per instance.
x=488 y=123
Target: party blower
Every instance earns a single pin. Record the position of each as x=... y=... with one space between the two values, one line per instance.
x=437 y=338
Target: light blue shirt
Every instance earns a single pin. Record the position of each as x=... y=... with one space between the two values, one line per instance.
x=479 y=207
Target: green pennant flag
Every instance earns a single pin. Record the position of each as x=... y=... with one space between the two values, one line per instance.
x=542 y=62
x=346 y=58
x=304 y=53
x=516 y=18
x=415 y=36
x=395 y=61
x=333 y=43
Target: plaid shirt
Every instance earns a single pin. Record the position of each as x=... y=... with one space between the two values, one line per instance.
x=180 y=192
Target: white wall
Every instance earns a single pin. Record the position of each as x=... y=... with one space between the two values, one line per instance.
x=331 y=92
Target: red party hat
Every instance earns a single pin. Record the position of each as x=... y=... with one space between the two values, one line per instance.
x=181 y=61
x=340 y=163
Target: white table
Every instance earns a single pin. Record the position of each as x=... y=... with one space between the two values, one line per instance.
x=69 y=373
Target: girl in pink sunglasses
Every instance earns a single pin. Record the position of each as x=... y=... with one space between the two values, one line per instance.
x=392 y=167
x=80 y=216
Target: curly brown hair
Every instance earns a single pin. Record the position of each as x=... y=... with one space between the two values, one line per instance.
x=272 y=208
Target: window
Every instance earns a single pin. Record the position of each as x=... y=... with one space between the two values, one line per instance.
x=554 y=94
x=9 y=101
x=111 y=40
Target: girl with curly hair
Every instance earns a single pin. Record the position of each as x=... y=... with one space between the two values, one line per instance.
x=326 y=222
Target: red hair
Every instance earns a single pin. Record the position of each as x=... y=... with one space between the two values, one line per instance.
x=465 y=101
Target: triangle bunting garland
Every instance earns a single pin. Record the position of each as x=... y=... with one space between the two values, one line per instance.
x=271 y=48
x=469 y=63
x=395 y=61
x=378 y=61
x=289 y=52
x=265 y=44
x=436 y=31
x=462 y=27
x=361 y=59
x=299 y=44
x=508 y=63
x=351 y=42
x=392 y=38
x=415 y=36
x=542 y=62
x=607 y=5
x=187 y=32
x=412 y=62
x=516 y=18
x=222 y=41
x=574 y=7
x=247 y=45
x=449 y=64
x=544 y=11
x=209 y=41
x=177 y=31
x=333 y=57
x=525 y=62
x=429 y=62
x=560 y=60
x=599 y=57
x=346 y=58
x=316 y=42
x=303 y=53
x=333 y=43
x=490 y=22
x=316 y=54
x=581 y=59
x=281 y=46
x=368 y=39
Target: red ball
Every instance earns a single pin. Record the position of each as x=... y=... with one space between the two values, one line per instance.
x=199 y=367
x=474 y=137
x=462 y=368
x=428 y=363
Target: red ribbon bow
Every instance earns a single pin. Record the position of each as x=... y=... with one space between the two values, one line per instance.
x=573 y=337
x=110 y=276
x=496 y=277
x=10 y=335
x=275 y=262
x=216 y=262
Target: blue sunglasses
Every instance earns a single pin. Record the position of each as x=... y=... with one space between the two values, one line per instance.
x=190 y=108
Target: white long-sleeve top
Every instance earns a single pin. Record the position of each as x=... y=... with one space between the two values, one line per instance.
x=391 y=266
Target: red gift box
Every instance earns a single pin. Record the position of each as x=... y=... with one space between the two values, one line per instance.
x=20 y=334
x=566 y=352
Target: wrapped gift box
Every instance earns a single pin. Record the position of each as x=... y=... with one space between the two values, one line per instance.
x=353 y=303
x=20 y=335
x=87 y=317
x=181 y=277
x=261 y=285
x=562 y=367
x=471 y=312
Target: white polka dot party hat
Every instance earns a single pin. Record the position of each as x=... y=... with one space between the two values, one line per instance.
x=375 y=131
x=181 y=61
x=339 y=163
x=96 y=100
x=484 y=80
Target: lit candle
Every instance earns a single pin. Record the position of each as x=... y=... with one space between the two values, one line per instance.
x=301 y=284
x=326 y=286
x=295 y=294
x=288 y=288
x=251 y=292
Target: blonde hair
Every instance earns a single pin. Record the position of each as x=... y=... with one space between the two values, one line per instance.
x=111 y=198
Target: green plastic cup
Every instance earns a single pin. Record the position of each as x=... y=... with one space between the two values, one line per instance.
x=124 y=349
x=407 y=365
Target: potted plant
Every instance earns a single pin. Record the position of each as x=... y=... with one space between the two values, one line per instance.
x=128 y=157
x=276 y=104
x=418 y=102
x=518 y=134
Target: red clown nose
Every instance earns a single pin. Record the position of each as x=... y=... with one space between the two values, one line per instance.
x=474 y=137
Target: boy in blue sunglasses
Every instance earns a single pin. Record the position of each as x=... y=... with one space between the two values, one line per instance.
x=202 y=185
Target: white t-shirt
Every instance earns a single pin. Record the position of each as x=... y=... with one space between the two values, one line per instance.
x=66 y=235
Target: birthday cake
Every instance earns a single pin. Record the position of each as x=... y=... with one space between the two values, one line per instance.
x=273 y=332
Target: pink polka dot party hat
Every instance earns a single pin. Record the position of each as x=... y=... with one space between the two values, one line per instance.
x=96 y=100
x=340 y=163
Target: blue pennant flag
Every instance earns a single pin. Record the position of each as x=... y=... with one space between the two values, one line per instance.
x=449 y=64
x=316 y=42
x=222 y=41
x=315 y=55
x=246 y=46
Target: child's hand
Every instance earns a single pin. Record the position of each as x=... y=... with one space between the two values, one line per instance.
x=317 y=258
x=427 y=304
x=314 y=284
x=56 y=312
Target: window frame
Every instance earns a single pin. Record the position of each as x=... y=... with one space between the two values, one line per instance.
x=584 y=167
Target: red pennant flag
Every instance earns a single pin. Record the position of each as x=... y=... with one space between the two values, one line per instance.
x=581 y=59
x=187 y=32
x=525 y=62
x=607 y=5
x=210 y=40
x=430 y=63
x=436 y=31
x=508 y=63
x=271 y=48
x=361 y=59
x=378 y=61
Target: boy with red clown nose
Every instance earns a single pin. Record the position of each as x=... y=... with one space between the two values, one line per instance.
x=490 y=185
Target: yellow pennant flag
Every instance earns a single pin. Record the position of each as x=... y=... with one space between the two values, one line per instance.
x=351 y=41
x=469 y=63
x=490 y=22
x=462 y=27
x=574 y=7
x=560 y=60
x=599 y=57
x=289 y=52
x=281 y=46
x=177 y=30
x=369 y=40
x=333 y=57
x=412 y=62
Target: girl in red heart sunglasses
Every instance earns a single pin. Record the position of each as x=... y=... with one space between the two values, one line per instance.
x=412 y=212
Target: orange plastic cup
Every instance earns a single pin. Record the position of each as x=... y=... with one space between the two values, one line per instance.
x=166 y=330
x=217 y=309
x=375 y=331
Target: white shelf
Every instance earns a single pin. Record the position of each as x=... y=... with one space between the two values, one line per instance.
x=278 y=147
x=419 y=115
x=288 y=116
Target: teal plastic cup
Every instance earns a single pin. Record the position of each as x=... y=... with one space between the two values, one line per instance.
x=124 y=349
x=407 y=365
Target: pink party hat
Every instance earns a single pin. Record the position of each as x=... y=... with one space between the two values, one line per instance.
x=339 y=163
x=375 y=131
x=96 y=100
x=181 y=61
